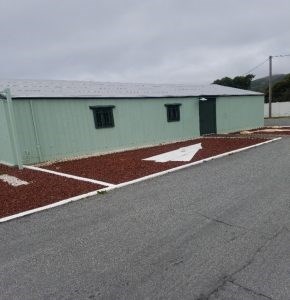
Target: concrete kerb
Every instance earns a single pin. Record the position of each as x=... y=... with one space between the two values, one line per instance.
x=112 y=187
x=188 y=165
x=39 y=209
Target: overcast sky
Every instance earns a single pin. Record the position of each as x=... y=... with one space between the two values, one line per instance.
x=174 y=41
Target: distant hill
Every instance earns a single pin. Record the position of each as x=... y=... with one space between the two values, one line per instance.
x=261 y=84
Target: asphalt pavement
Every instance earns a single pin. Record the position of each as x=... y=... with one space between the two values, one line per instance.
x=283 y=121
x=219 y=230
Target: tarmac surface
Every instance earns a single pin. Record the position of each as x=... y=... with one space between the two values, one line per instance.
x=220 y=230
x=278 y=121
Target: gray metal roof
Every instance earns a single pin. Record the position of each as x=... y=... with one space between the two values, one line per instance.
x=90 y=89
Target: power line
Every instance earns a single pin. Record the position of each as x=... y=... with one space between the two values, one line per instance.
x=270 y=58
x=259 y=65
x=281 y=55
x=256 y=67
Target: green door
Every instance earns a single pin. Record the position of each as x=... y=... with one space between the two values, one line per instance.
x=207 y=116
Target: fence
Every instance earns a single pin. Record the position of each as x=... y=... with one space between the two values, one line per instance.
x=279 y=109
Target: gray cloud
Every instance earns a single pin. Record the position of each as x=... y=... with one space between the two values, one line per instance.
x=187 y=41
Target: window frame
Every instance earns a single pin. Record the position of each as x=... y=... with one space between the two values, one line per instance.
x=171 y=106
x=101 y=113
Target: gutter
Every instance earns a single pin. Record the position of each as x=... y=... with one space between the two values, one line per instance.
x=128 y=97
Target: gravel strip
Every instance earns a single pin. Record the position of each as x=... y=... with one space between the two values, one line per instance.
x=42 y=189
x=125 y=166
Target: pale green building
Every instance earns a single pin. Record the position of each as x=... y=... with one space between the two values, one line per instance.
x=54 y=120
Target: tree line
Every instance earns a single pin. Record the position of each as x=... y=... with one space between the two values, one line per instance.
x=280 y=89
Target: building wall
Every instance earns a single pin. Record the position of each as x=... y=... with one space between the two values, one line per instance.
x=6 y=150
x=57 y=129
x=236 y=113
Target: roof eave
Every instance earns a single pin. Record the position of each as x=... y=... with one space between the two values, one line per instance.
x=131 y=97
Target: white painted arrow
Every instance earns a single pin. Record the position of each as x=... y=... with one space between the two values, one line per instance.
x=181 y=154
x=12 y=180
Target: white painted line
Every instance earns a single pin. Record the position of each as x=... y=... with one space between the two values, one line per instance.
x=112 y=187
x=59 y=203
x=188 y=165
x=181 y=154
x=70 y=176
x=12 y=180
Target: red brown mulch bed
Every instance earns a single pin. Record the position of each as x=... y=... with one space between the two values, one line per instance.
x=43 y=189
x=125 y=166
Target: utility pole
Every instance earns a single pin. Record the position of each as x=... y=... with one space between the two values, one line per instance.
x=270 y=86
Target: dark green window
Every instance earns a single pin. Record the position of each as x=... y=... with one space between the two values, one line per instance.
x=103 y=116
x=173 y=112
